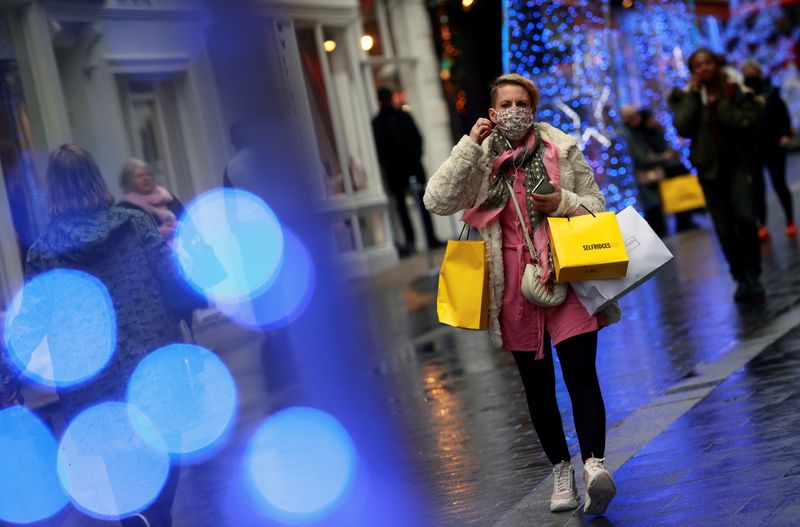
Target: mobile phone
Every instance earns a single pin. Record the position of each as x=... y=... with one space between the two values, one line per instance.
x=543 y=187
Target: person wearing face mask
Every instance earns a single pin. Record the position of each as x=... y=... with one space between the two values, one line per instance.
x=720 y=118
x=774 y=133
x=549 y=177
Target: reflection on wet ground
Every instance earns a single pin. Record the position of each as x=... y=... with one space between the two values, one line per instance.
x=731 y=460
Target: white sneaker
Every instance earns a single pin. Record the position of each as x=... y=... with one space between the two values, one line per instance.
x=565 y=494
x=600 y=486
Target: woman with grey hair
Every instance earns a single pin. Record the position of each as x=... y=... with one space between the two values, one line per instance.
x=143 y=193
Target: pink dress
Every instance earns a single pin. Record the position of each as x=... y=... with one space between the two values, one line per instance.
x=523 y=324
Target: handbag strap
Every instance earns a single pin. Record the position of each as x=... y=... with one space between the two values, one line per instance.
x=522 y=221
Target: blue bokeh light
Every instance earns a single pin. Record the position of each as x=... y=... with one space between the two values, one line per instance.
x=229 y=245
x=287 y=297
x=61 y=328
x=189 y=396
x=300 y=464
x=29 y=487
x=106 y=467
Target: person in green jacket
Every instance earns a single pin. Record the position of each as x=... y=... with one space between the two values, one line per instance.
x=719 y=117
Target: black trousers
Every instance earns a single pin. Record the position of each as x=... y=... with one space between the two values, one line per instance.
x=729 y=199
x=577 y=356
x=775 y=163
x=399 y=194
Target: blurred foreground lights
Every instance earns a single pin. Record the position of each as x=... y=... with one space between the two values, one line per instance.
x=300 y=465
x=189 y=396
x=29 y=487
x=61 y=329
x=229 y=245
x=329 y=45
x=106 y=467
x=288 y=295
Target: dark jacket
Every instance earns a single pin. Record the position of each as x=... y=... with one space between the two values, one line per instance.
x=732 y=118
x=399 y=146
x=775 y=121
x=9 y=381
x=124 y=250
x=647 y=146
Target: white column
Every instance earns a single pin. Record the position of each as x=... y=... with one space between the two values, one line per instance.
x=46 y=81
x=413 y=34
x=11 y=276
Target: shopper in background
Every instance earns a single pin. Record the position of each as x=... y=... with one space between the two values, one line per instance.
x=124 y=250
x=399 y=146
x=773 y=135
x=719 y=117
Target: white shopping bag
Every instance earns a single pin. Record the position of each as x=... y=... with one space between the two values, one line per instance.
x=646 y=254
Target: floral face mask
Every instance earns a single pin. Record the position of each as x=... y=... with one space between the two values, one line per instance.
x=515 y=122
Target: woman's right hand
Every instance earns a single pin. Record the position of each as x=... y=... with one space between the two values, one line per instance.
x=481 y=130
x=695 y=83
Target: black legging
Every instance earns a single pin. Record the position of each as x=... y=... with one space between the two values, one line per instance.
x=775 y=163
x=577 y=357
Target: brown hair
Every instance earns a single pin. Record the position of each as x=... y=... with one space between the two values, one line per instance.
x=719 y=60
x=74 y=182
x=519 y=80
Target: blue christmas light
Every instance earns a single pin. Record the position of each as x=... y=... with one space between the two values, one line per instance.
x=61 y=328
x=300 y=465
x=29 y=486
x=570 y=60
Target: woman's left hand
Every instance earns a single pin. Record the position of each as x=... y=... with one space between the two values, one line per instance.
x=548 y=203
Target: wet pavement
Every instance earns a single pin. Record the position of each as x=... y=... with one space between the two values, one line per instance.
x=734 y=459
x=462 y=420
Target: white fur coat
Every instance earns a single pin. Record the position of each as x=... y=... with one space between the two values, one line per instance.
x=464 y=176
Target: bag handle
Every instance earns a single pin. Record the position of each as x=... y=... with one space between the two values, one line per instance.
x=462 y=232
x=587 y=210
x=522 y=221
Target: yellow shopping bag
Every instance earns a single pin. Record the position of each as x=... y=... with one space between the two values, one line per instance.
x=463 y=299
x=587 y=247
x=682 y=193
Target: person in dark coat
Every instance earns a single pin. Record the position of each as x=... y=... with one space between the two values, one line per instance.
x=774 y=133
x=653 y=160
x=123 y=249
x=399 y=145
x=720 y=118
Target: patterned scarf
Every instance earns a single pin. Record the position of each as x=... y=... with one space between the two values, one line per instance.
x=530 y=157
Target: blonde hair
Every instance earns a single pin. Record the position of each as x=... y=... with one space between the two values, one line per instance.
x=74 y=182
x=753 y=64
x=519 y=80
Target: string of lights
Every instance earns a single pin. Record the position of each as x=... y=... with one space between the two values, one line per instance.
x=566 y=49
x=658 y=38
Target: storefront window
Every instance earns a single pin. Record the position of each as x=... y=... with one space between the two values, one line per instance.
x=320 y=110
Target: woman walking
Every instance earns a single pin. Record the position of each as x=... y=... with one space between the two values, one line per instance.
x=125 y=251
x=774 y=131
x=510 y=148
x=719 y=117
